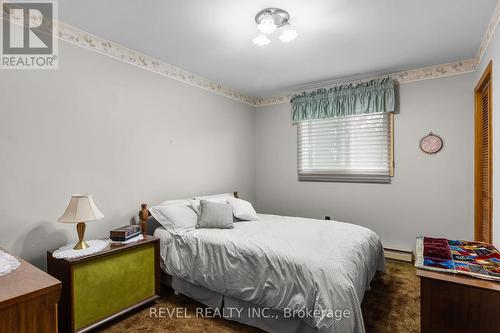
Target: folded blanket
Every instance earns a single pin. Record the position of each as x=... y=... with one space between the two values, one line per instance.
x=437 y=248
x=476 y=259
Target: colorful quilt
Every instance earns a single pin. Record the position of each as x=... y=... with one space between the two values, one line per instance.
x=476 y=259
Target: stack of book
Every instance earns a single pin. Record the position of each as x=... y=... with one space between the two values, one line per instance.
x=124 y=233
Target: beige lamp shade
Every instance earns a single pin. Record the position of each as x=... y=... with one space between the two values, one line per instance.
x=81 y=208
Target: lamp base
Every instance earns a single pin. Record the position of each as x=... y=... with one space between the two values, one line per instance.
x=80 y=228
x=81 y=245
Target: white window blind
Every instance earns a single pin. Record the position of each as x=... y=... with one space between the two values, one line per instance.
x=347 y=149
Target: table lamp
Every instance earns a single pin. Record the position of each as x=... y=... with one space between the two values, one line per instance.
x=81 y=209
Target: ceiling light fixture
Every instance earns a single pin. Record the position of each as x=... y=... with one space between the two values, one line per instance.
x=268 y=21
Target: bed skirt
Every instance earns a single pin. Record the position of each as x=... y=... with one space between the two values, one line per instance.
x=269 y=320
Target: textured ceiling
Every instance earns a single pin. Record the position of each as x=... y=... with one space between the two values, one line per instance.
x=337 y=39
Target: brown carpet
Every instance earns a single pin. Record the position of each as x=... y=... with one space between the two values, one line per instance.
x=391 y=306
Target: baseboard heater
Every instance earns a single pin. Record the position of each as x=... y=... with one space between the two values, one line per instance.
x=400 y=255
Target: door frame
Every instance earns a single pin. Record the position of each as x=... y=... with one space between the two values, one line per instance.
x=485 y=79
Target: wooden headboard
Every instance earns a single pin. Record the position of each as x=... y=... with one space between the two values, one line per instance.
x=144 y=215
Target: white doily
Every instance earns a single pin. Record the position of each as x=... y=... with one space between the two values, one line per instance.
x=67 y=251
x=8 y=263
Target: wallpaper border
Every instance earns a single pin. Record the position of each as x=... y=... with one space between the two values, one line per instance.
x=488 y=34
x=119 y=52
x=425 y=73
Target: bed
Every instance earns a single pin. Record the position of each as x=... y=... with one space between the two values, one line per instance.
x=279 y=273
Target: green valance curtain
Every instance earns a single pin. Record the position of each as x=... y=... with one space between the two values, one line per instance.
x=375 y=96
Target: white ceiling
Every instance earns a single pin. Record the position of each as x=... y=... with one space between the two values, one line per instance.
x=337 y=38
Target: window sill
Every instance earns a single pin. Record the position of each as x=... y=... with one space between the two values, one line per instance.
x=336 y=178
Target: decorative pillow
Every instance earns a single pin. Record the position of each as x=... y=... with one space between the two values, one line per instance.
x=215 y=215
x=216 y=197
x=242 y=210
x=178 y=219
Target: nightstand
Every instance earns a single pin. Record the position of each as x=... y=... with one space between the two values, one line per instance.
x=102 y=286
x=28 y=300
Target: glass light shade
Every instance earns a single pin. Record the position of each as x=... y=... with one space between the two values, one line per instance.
x=261 y=40
x=288 y=35
x=266 y=24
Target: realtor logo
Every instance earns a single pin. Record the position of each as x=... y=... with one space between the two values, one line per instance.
x=28 y=35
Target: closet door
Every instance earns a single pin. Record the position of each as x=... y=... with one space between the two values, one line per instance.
x=483 y=160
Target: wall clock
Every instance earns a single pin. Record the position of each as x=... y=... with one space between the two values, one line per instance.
x=431 y=143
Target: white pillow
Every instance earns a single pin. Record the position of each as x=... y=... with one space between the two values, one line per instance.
x=178 y=219
x=242 y=209
x=220 y=198
x=184 y=202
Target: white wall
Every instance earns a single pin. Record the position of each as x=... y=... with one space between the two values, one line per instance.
x=126 y=135
x=429 y=195
x=493 y=54
x=129 y=136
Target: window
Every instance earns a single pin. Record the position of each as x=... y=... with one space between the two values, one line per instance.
x=348 y=149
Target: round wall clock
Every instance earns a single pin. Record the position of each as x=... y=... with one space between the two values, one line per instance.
x=431 y=143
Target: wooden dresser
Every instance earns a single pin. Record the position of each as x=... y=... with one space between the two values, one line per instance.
x=28 y=300
x=102 y=286
x=458 y=303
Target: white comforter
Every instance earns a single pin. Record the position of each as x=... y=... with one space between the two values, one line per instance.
x=284 y=263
